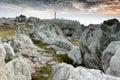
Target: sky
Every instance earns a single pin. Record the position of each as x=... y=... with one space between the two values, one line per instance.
x=85 y=11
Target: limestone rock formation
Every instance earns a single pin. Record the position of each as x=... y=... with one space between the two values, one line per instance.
x=24 y=46
x=53 y=35
x=110 y=59
x=68 y=72
x=47 y=33
x=3 y=71
x=10 y=54
x=20 y=69
x=75 y=55
x=94 y=40
x=94 y=51
x=21 y=19
x=78 y=31
x=16 y=69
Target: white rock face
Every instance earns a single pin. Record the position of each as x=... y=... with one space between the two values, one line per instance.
x=20 y=69
x=68 y=72
x=75 y=55
x=95 y=39
x=10 y=54
x=2 y=55
x=17 y=69
x=111 y=59
x=47 y=33
x=3 y=71
x=23 y=45
x=53 y=35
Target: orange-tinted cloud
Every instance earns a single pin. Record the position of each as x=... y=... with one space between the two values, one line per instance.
x=67 y=6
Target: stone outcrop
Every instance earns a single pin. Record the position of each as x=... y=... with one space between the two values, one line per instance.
x=47 y=33
x=16 y=69
x=78 y=31
x=110 y=59
x=24 y=46
x=10 y=54
x=3 y=71
x=68 y=72
x=53 y=35
x=75 y=55
x=19 y=69
x=94 y=41
x=60 y=35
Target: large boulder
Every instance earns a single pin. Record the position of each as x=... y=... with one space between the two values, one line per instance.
x=53 y=35
x=10 y=54
x=56 y=37
x=21 y=19
x=16 y=69
x=75 y=55
x=3 y=71
x=78 y=31
x=111 y=59
x=94 y=40
x=20 y=69
x=46 y=32
x=23 y=46
x=64 y=71
x=2 y=55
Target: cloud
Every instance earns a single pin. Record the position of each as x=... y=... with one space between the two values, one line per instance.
x=10 y=6
x=80 y=6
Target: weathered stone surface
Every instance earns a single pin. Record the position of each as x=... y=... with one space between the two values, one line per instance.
x=3 y=71
x=110 y=59
x=94 y=40
x=10 y=54
x=23 y=45
x=75 y=55
x=52 y=34
x=2 y=55
x=47 y=33
x=78 y=31
x=67 y=72
x=19 y=69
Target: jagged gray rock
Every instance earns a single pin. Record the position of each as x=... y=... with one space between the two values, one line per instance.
x=110 y=59
x=68 y=72
x=75 y=55
x=95 y=39
x=16 y=69
x=3 y=71
x=47 y=33
x=78 y=31
x=10 y=54
x=2 y=53
x=19 y=69
x=24 y=46
x=53 y=35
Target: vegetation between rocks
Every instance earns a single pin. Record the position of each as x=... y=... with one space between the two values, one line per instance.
x=7 y=31
x=42 y=73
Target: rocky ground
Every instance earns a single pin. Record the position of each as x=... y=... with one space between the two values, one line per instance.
x=35 y=49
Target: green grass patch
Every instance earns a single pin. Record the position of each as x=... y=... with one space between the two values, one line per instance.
x=38 y=75
x=42 y=45
x=7 y=31
x=62 y=58
x=25 y=55
x=75 y=42
x=7 y=60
